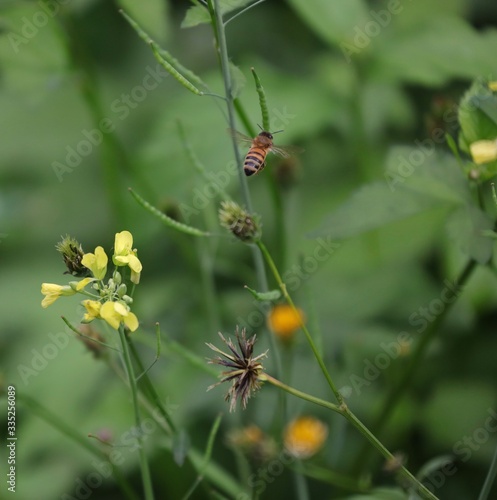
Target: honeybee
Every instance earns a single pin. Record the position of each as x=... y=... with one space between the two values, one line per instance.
x=260 y=146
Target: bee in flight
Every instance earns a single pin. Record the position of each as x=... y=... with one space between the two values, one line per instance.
x=260 y=146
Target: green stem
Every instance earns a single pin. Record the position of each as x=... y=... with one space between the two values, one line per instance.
x=400 y=388
x=288 y=298
x=54 y=421
x=492 y=472
x=153 y=395
x=218 y=25
x=347 y=413
x=146 y=479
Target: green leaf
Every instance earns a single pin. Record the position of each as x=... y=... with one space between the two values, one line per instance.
x=198 y=14
x=265 y=296
x=334 y=21
x=468 y=226
x=429 y=172
x=371 y=207
x=417 y=180
x=426 y=53
x=238 y=80
x=477 y=115
x=151 y=14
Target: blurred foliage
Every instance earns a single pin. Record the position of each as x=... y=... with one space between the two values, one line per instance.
x=354 y=82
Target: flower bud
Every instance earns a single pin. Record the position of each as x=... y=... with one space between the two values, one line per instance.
x=243 y=225
x=72 y=253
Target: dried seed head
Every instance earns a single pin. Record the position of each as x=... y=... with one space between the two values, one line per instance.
x=244 y=369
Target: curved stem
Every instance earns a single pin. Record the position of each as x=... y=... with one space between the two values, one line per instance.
x=145 y=471
x=492 y=472
x=288 y=298
x=347 y=413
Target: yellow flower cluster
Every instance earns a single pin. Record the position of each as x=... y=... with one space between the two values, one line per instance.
x=111 y=304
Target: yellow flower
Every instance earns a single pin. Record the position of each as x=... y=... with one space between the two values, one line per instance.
x=483 y=151
x=305 y=436
x=124 y=255
x=283 y=321
x=116 y=313
x=492 y=86
x=92 y=310
x=96 y=262
x=52 y=292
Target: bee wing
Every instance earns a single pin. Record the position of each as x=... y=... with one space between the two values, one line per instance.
x=241 y=138
x=286 y=151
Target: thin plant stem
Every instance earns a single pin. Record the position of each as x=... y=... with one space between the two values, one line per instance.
x=489 y=480
x=405 y=378
x=290 y=302
x=53 y=420
x=347 y=413
x=218 y=26
x=145 y=471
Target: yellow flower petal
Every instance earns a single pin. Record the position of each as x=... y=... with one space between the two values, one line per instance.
x=305 y=436
x=492 y=86
x=483 y=151
x=96 y=262
x=123 y=243
x=93 y=310
x=109 y=314
x=81 y=284
x=131 y=321
x=53 y=291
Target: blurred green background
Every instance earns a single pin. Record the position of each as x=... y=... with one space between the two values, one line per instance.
x=60 y=74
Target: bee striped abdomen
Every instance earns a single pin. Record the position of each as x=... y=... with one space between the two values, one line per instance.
x=254 y=161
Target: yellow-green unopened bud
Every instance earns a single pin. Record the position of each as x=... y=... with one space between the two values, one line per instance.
x=243 y=225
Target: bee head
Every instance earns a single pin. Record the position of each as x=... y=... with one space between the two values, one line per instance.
x=266 y=134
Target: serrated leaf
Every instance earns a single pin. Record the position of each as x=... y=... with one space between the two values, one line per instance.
x=238 y=80
x=151 y=14
x=334 y=21
x=371 y=207
x=198 y=14
x=265 y=296
x=414 y=184
x=429 y=172
x=467 y=226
